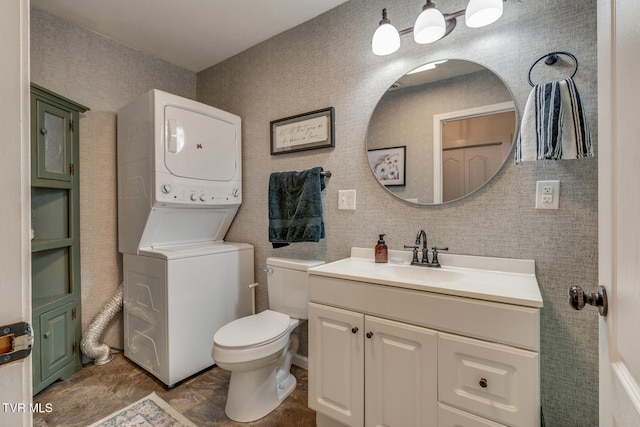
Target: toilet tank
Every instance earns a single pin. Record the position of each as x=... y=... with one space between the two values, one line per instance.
x=288 y=285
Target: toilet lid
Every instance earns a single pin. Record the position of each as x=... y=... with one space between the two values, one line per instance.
x=253 y=330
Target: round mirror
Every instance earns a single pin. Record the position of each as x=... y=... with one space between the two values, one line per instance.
x=441 y=132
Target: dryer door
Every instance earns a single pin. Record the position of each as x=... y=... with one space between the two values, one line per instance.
x=200 y=146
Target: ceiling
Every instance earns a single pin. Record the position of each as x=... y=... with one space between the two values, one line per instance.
x=193 y=34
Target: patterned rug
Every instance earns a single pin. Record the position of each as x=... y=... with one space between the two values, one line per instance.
x=150 y=411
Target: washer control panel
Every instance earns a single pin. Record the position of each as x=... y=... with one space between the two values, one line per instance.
x=198 y=195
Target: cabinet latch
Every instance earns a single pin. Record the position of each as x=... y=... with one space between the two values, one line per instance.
x=15 y=342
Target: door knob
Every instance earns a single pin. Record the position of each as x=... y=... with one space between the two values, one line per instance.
x=578 y=299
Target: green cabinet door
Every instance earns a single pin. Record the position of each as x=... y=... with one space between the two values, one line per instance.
x=53 y=150
x=57 y=339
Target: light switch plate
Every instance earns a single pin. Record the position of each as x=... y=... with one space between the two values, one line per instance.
x=347 y=200
x=547 y=194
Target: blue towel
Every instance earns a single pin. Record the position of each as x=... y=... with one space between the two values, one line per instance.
x=295 y=207
x=554 y=125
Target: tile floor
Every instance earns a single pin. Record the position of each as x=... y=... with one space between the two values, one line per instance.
x=97 y=391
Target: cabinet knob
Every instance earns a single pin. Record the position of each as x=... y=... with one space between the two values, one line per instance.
x=483 y=382
x=354 y=330
x=47 y=334
x=43 y=131
x=369 y=335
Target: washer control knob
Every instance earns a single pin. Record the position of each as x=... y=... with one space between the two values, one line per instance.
x=194 y=197
x=165 y=188
x=235 y=192
x=202 y=198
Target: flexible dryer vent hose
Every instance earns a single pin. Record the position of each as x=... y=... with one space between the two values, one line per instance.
x=101 y=352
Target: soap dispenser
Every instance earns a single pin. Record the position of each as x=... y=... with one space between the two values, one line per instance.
x=381 y=250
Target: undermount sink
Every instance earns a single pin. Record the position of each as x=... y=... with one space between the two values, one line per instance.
x=416 y=273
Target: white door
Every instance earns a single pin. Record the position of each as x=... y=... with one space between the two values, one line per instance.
x=619 y=210
x=15 y=267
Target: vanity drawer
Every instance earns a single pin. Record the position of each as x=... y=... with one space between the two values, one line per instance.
x=490 y=380
x=486 y=320
x=452 y=417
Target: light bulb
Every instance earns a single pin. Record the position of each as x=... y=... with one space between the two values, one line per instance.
x=386 y=40
x=429 y=27
x=480 y=13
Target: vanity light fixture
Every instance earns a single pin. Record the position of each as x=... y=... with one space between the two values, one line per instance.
x=432 y=25
x=386 y=39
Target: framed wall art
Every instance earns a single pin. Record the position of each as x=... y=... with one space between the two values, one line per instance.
x=306 y=131
x=388 y=164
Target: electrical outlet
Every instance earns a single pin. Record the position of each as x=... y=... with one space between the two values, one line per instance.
x=347 y=200
x=547 y=194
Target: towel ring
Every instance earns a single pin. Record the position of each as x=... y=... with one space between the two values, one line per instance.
x=552 y=58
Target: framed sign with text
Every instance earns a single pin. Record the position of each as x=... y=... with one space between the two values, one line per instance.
x=306 y=131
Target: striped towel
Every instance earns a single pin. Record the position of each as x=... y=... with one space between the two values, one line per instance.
x=554 y=125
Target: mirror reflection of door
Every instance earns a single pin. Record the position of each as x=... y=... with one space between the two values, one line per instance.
x=410 y=113
x=473 y=149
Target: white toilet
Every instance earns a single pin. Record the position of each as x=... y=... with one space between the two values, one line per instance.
x=258 y=349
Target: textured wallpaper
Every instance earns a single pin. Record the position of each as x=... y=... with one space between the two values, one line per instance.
x=328 y=62
x=104 y=76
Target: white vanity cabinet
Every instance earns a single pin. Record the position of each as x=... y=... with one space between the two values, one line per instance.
x=387 y=353
x=396 y=362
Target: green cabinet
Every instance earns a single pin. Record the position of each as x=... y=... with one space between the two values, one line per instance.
x=56 y=331
x=55 y=236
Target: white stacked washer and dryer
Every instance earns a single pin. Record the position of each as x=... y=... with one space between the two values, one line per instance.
x=179 y=189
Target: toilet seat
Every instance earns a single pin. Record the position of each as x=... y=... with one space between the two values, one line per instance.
x=253 y=331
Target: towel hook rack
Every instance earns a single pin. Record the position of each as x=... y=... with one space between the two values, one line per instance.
x=551 y=58
x=326 y=174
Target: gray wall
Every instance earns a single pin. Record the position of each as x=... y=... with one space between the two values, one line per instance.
x=104 y=76
x=328 y=62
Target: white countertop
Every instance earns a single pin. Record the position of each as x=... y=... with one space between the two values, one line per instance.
x=510 y=281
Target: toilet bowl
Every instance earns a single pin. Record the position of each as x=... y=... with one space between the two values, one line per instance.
x=258 y=349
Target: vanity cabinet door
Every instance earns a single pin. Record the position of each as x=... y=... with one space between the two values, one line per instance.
x=336 y=363
x=400 y=374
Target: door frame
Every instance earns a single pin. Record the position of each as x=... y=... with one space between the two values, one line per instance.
x=439 y=119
